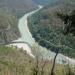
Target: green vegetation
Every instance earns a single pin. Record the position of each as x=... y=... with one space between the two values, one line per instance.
x=47 y=29
x=14 y=61
x=20 y=7
x=69 y=21
x=8 y=26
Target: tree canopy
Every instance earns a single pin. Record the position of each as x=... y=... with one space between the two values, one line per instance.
x=69 y=21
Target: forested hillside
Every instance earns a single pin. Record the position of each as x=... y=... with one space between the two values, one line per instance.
x=14 y=61
x=47 y=28
x=19 y=6
x=8 y=26
x=10 y=12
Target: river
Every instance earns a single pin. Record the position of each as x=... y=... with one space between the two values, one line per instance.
x=24 y=30
x=27 y=37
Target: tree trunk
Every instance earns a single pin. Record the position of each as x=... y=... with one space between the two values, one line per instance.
x=52 y=70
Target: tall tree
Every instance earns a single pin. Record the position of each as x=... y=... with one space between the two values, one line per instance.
x=69 y=28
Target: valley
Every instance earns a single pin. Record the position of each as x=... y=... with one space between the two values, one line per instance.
x=32 y=40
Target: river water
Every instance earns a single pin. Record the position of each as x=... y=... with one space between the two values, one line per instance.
x=24 y=30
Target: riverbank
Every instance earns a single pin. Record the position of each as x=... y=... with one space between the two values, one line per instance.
x=25 y=33
x=27 y=37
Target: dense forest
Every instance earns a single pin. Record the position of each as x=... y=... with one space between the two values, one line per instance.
x=47 y=28
x=14 y=61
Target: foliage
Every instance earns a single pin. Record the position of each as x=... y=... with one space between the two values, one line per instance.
x=8 y=26
x=14 y=61
x=69 y=21
x=48 y=36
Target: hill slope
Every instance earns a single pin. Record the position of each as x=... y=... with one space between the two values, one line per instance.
x=8 y=26
x=47 y=2
x=19 y=6
x=15 y=61
x=46 y=28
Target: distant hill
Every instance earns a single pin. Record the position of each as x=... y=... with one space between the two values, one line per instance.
x=47 y=2
x=8 y=26
x=18 y=6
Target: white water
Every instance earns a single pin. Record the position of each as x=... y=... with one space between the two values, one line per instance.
x=27 y=37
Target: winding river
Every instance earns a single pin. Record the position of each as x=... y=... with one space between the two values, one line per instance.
x=27 y=37
x=24 y=30
x=25 y=33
